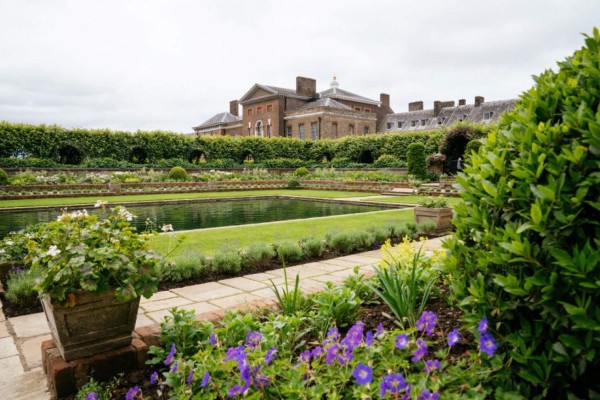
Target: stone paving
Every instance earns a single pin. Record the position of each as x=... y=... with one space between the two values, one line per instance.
x=21 y=375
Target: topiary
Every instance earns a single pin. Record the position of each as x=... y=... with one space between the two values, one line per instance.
x=294 y=184
x=3 y=177
x=389 y=161
x=302 y=171
x=417 y=163
x=178 y=174
x=527 y=250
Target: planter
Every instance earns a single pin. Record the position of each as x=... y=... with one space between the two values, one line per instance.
x=441 y=216
x=96 y=324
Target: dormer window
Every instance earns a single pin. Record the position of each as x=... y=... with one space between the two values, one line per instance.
x=400 y=124
x=441 y=120
x=389 y=125
x=424 y=122
x=413 y=123
x=488 y=115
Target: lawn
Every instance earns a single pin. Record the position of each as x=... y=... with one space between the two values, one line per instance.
x=207 y=241
x=65 y=201
x=410 y=199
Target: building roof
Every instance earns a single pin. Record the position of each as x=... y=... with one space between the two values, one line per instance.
x=325 y=102
x=273 y=91
x=219 y=119
x=337 y=93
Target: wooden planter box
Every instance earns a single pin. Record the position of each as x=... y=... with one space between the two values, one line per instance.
x=441 y=216
x=97 y=324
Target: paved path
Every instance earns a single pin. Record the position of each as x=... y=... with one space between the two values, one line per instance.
x=21 y=375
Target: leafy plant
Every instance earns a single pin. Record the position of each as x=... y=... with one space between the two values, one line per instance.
x=526 y=248
x=433 y=202
x=291 y=301
x=336 y=304
x=3 y=177
x=21 y=286
x=185 y=265
x=301 y=172
x=289 y=250
x=426 y=227
x=227 y=261
x=294 y=184
x=313 y=247
x=417 y=164
x=178 y=174
x=258 y=253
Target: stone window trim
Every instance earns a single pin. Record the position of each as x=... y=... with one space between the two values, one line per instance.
x=259 y=129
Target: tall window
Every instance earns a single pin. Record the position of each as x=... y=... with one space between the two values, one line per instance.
x=301 y=131
x=366 y=130
x=350 y=129
x=334 y=129
x=259 y=129
x=288 y=131
x=314 y=131
x=389 y=125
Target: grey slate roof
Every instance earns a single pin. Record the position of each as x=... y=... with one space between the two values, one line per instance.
x=337 y=93
x=325 y=102
x=274 y=90
x=448 y=115
x=219 y=119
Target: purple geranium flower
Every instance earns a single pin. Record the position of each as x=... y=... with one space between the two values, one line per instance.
x=369 y=338
x=132 y=393
x=317 y=352
x=235 y=390
x=426 y=323
x=354 y=336
x=190 y=377
x=420 y=352
x=174 y=367
x=487 y=344
x=271 y=353
x=402 y=341
x=453 y=337
x=212 y=339
x=407 y=393
x=92 y=396
x=427 y=395
x=170 y=356
x=431 y=365
x=154 y=378
x=483 y=325
x=205 y=379
x=253 y=339
x=393 y=383
x=305 y=356
x=363 y=374
x=379 y=330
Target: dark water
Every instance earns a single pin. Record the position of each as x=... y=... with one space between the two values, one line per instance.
x=199 y=215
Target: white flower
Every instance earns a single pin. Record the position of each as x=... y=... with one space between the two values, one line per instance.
x=9 y=242
x=53 y=251
x=2 y=251
x=126 y=214
x=167 y=228
x=100 y=203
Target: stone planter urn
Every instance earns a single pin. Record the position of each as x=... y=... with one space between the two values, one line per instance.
x=441 y=216
x=96 y=324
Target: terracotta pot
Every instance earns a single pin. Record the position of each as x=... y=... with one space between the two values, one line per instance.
x=441 y=216
x=97 y=323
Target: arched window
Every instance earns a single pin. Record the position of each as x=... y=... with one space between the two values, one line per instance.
x=259 y=129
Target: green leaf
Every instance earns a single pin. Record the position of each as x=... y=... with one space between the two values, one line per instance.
x=536 y=214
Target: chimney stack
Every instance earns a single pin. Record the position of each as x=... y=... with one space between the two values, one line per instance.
x=385 y=100
x=306 y=87
x=478 y=101
x=234 y=108
x=437 y=107
x=415 y=106
x=462 y=102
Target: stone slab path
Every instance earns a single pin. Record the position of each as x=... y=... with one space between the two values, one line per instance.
x=21 y=375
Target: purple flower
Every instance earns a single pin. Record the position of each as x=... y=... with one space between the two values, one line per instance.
x=253 y=339
x=132 y=393
x=305 y=356
x=393 y=383
x=205 y=379
x=483 y=325
x=190 y=377
x=402 y=341
x=426 y=323
x=453 y=337
x=487 y=344
x=363 y=374
x=235 y=390
x=369 y=339
x=427 y=395
x=332 y=335
x=420 y=352
x=317 y=352
x=432 y=365
x=407 y=393
x=170 y=356
x=154 y=378
x=233 y=353
x=271 y=353
x=92 y=396
x=174 y=367
x=331 y=354
x=379 y=330
x=354 y=336
x=212 y=339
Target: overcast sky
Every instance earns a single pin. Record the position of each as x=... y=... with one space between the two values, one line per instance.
x=171 y=65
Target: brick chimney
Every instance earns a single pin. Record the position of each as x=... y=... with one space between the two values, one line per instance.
x=385 y=99
x=479 y=101
x=415 y=106
x=234 y=108
x=437 y=107
x=462 y=102
x=306 y=87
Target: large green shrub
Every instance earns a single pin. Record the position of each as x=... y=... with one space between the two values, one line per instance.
x=455 y=141
x=527 y=243
x=178 y=174
x=3 y=177
x=417 y=163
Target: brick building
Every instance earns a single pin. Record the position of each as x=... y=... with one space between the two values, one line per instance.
x=269 y=111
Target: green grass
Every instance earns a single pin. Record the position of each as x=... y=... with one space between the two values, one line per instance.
x=208 y=241
x=90 y=200
x=411 y=200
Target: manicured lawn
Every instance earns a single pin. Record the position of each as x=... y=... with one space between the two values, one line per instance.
x=175 y=196
x=207 y=241
x=411 y=199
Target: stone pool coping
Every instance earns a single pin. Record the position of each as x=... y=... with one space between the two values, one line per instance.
x=21 y=338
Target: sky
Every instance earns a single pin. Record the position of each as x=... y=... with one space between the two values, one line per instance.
x=171 y=65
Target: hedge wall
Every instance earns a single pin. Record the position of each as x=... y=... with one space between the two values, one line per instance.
x=73 y=146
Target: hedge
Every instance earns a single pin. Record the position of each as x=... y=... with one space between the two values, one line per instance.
x=53 y=144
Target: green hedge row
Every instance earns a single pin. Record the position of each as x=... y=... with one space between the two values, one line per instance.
x=55 y=144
